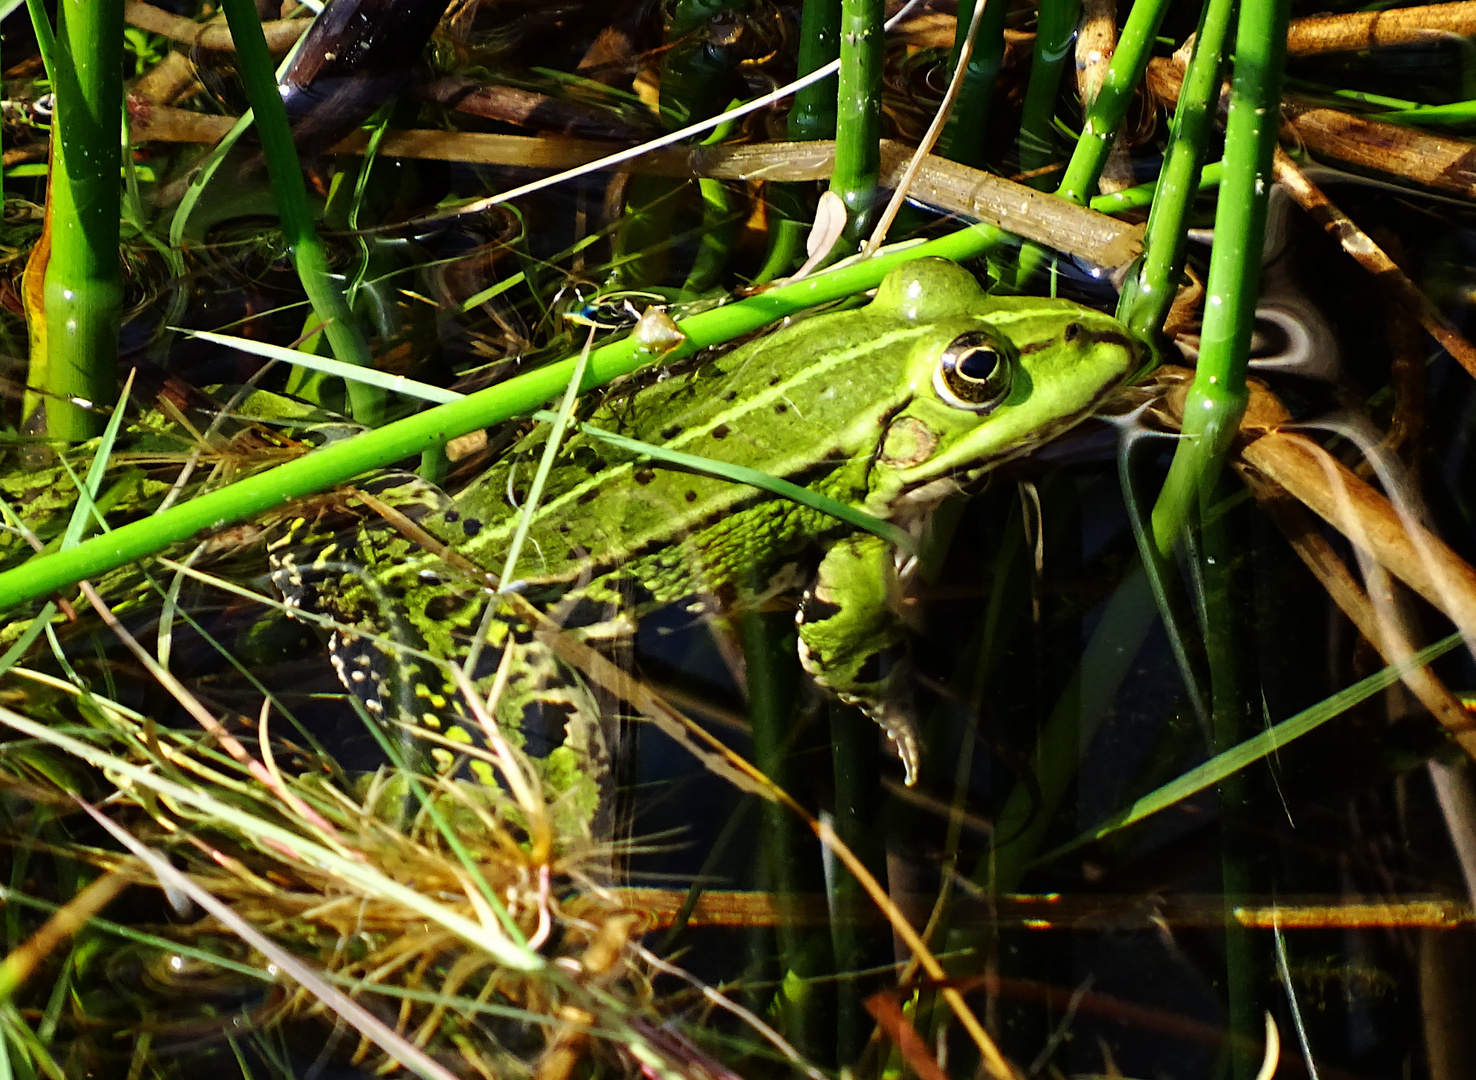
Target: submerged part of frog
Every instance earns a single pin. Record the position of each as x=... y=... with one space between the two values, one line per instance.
x=890 y=408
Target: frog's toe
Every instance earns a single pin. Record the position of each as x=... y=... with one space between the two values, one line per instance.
x=900 y=728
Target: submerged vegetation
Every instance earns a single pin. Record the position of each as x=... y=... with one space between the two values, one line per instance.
x=478 y=474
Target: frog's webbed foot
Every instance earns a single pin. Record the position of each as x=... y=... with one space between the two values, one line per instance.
x=852 y=640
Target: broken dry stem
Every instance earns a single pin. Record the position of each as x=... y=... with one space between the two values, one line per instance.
x=1362 y=249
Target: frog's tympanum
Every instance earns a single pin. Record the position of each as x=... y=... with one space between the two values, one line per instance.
x=891 y=408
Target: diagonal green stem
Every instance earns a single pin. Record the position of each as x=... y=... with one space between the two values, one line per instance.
x=1104 y=117
x=298 y=230
x=341 y=461
x=1150 y=291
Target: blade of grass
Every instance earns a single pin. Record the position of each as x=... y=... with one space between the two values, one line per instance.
x=1254 y=749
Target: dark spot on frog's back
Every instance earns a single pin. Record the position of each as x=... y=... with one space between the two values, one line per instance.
x=731 y=395
x=471 y=526
x=588 y=496
x=671 y=431
x=453 y=516
x=690 y=496
x=780 y=409
x=643 y=475
x=722 y=431
x=441 y=608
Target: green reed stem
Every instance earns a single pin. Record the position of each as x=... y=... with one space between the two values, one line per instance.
x=812 y=116
x=791 y=862
x=964 y=136
x=341 y=461
x=1053 y=37
x=1141 y=195
x=83 y=282
x=1145 y=300
x=858 y=120
x=1219 y=569
x=1104 y=117
x=309 y=256
x=1217 y=398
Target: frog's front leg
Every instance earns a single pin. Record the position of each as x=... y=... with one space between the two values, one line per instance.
x=852 y=639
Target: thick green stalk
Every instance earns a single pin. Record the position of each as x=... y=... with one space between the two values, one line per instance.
x=1145 y=300
x=791 y=862
x=1053 y=36
x=1105 y=115
x=83 y=285
x=858 y=121
x=341 y=461
x=1230 y=724
x=964 y=136
x=812 y=116
x=857 y=944
x=1218 y=396
x=309 y=256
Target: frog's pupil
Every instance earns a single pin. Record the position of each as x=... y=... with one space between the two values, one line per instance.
x=978 y=363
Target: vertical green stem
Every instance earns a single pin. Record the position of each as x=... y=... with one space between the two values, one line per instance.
x=857 y=944
x=858 y=123
x=812 y=116
x=1218 y=396
x=1150 y=291
x=83 y=284
x=1053 y=37
x=298 y=230
x=1220 y=566
x=804 y=999
x=963 y=137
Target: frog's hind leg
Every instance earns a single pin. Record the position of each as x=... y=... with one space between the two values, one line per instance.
x=853 y=640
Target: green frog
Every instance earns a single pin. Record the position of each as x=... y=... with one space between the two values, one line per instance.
x=890 y=408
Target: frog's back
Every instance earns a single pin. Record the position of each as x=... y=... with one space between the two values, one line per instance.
x=794 y=402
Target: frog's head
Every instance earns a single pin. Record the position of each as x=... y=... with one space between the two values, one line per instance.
x=991 y=378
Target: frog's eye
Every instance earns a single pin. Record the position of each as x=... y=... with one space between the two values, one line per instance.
x=974 y=372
